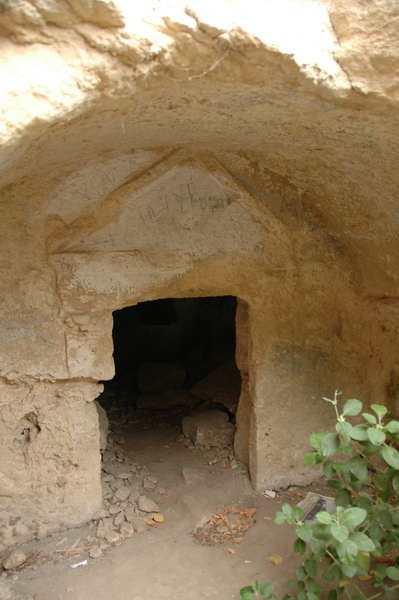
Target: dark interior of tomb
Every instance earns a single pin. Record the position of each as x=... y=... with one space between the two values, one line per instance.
x=173 y=356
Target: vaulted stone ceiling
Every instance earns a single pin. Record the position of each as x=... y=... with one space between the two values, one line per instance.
x=299 y=99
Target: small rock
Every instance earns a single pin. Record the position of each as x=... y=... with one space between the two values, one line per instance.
x=101 y=529
x=95 y=552
x=14 y=559
x=122 y=493
x=147 y=505
x=130 y=515
x=134 y=494
x=123 y=475
x=222 y=529
x=119 y=519
x=138 y=524
x=106 y=488
x=114 y=509
x=209 y=429
x=112 y=537
x=149 y=483
x=104 y=545
x=107 y=477
x=222 y=386
x=269 y=493
x=100 y=514
x=126 y=529
x=192 y=476
x=116 y=484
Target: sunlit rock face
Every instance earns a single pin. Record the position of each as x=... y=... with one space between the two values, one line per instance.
x=163 y=150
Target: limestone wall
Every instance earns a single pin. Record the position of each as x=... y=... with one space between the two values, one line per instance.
x=191 y=153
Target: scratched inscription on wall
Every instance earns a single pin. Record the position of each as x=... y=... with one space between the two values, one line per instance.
x=183 y=209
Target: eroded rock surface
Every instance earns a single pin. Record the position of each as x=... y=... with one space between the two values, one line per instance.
x=177 y=151
x=210 y=428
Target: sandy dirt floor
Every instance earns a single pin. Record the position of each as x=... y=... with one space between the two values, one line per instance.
x=166 y=560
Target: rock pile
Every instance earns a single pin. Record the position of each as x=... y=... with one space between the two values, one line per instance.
x=127 y=506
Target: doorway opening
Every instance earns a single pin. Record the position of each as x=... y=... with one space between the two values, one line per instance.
x=171 y=410
x=171 y=406
x=173 y=357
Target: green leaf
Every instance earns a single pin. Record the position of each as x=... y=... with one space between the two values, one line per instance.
x=369 y=449
x=315 y=439
x=393 y=573
x=343 y=498
x=328 y=468
x=395 y=483
x=251 y=591
x=287 y=510
x=354 y=516
x=392 y=427
x=347 y=549
x=324 y=517
x=297 y=513
x=370 y=418
x=385 y=519
x=304 y=532
x=363 y=560
x=362 y=541
x=381 y=481
x=300 y=573
x=312 y=586
x=379 y=410
x=329 y=444
x=266 y=589
x=352 y=408
x=299 y=546
x=376 y=436
x=380 y=572
x=349 y=570
x=376 y=532
x=311 y=567
x=334 y=484
x=332 y=573
x=339 y=532
x=312 y=596
x=359 y=433
x=247 y=593
x=358 y=466
x=311 y=458
x=344 y=429
x=332 y=595
x=280 y=518
x=391 y=456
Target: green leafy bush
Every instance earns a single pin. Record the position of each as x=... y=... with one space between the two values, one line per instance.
x=361 y=540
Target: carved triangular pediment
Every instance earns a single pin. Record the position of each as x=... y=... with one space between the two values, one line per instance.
x=184 y=204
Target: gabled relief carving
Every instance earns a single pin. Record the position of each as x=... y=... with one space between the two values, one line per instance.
x=184 y=204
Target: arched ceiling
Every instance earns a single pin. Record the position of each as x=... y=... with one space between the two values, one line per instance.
x=297 y=98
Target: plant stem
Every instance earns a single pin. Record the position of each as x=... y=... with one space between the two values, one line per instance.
x=395 y=587
x=360 y=592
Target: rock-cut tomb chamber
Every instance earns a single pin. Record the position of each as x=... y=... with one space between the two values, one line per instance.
x=169 y=150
